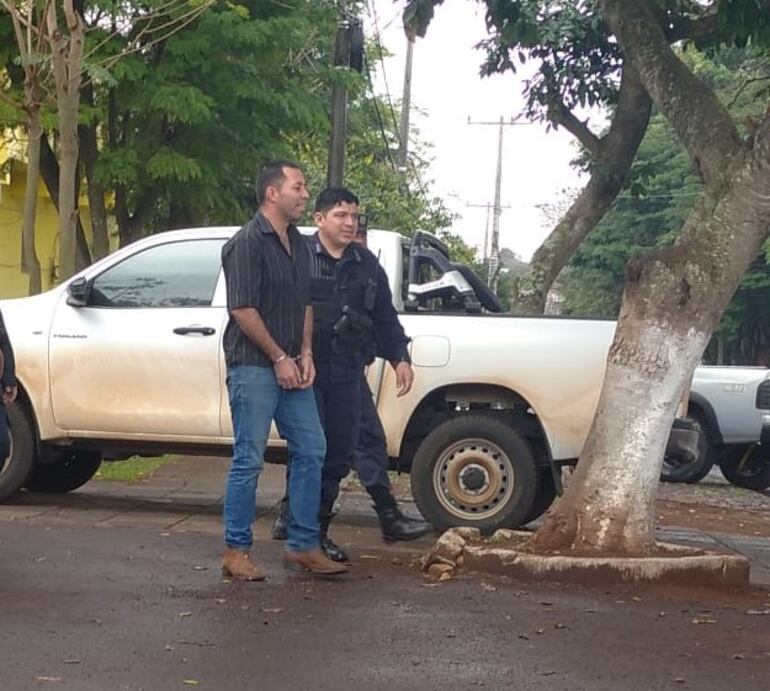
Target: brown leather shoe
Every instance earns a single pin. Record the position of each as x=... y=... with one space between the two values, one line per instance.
x=238 y=565
x=315 y=561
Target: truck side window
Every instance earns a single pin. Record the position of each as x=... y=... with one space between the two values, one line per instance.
x=177 y=274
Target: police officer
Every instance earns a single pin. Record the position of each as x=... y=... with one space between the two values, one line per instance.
x=352 y=306
x=370 y=458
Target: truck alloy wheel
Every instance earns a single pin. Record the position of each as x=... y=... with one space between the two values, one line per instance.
x=476 y=470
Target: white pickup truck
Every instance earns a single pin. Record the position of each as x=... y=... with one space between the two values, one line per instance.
x=126 y=358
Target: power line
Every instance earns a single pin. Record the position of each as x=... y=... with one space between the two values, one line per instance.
x=380 y=122
x=380 y=50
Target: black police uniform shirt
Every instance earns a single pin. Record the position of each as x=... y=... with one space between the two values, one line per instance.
x=342 y=281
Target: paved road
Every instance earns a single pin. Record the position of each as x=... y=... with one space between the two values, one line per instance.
x=97 y=608
x=118 y=587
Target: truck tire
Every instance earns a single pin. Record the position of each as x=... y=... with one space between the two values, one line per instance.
x=474 y=470
x=747 y=467
x=15 y=469
x=676 y=470
x=75 y=468
x=546 y=493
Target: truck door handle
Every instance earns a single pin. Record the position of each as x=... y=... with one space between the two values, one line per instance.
x=202 y=330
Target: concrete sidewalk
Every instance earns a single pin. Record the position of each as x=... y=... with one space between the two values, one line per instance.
x=186 y=496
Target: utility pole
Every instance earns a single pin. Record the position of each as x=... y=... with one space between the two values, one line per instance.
x=494 y=254
x=403 y=130
x=488 y=207
x=348 y=52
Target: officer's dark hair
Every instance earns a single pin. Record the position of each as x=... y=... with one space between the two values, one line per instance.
x=271 y=175
x=334 y=196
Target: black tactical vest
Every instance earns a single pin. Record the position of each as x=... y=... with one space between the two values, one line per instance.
x=343 y=293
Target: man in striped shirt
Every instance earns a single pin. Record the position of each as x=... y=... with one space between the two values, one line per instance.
x=270 y=372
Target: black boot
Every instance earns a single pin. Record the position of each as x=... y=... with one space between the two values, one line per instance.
x=396 y=527
x=278 y=531
x=334 y=552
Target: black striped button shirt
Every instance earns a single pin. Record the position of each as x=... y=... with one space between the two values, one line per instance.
x=259 y=273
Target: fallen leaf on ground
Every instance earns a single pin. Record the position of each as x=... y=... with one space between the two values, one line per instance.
x=758 y=611
x=370 y=556
x=200 y=568
x=488 y=587
x=271 y=610
x=47 y=678
x=185 y=614
x=704 y=621
x=190 y=682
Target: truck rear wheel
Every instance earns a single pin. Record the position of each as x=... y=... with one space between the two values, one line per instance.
x=747 y=466
x=474 y=470
x=15 y=469
x=75 y=468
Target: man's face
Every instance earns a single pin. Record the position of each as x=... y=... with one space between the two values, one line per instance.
x=337 y=227
x=292 y=195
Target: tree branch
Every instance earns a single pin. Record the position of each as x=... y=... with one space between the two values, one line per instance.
x=616 y=152
x=746 y=82
x=559 y=114
x=696 y=114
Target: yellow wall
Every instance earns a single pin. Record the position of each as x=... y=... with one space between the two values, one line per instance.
x=14 y=283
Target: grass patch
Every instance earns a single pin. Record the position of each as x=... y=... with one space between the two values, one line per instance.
x=133 y=469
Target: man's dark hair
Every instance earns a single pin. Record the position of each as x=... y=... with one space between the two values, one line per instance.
x=271 y=175
x=334 y=196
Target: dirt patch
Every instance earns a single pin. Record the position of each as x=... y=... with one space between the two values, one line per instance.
x=709 y=518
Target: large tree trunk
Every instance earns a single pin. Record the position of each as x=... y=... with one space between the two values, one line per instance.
x=49 y=170
x=68 y=207
x=672 y=303
x=29 y=259
x=89 y=152
x=612 y=157
x=67 y=56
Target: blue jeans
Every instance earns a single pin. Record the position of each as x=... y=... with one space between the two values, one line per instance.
x=255 y=400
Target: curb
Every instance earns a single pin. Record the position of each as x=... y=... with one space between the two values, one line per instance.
x=685 y=565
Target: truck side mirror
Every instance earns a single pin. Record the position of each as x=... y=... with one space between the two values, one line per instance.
x=78 y=292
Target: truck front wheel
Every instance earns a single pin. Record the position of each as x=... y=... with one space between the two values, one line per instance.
x=16 y=467
x=474 y=470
